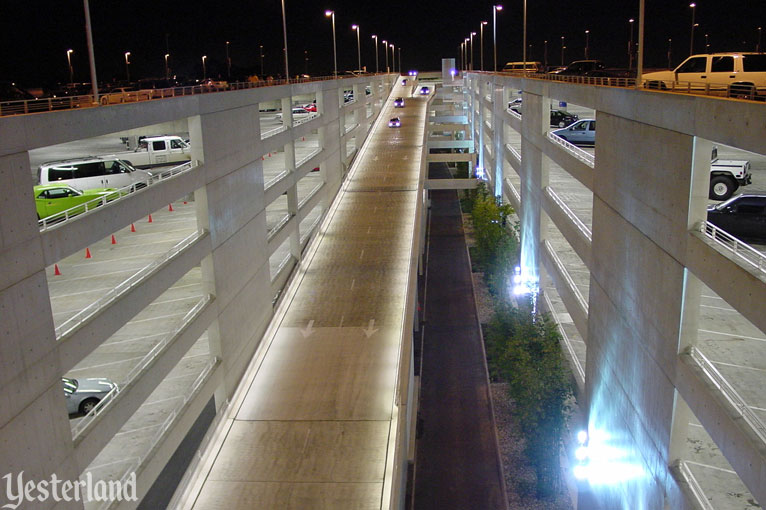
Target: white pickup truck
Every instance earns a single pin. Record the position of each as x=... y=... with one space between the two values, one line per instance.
x=726 y=175
x=158 y=151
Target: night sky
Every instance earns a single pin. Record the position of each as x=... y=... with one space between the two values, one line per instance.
x=36 y=35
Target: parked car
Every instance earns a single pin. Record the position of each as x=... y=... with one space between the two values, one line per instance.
x=514 y=102
x=52 y=199
x=558 y=118
x=399 y=102
x=736 y=74
x=299 y=112
x=395 y=122
x=582 y=132
x=562 y=118
x=727 y=175
x=93 y=172
x=404 y=81
x=83 y=395
x=522 y=67
x=424 y=91
x=310 y=107
x=743 y=216
x=581 y=68
x=124 y=95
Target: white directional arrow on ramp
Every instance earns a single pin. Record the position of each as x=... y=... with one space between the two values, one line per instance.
x=370 y=329
x=309 y=329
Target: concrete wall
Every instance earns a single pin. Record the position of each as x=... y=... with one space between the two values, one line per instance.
x=230 y=203
x=649 y=189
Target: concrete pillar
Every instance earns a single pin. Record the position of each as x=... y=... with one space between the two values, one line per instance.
x=636 y=294
x=33 y=418
x=497 y=138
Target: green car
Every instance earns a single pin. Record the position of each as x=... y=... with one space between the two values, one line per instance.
x=52 y=199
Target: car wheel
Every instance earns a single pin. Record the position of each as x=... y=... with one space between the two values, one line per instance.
x=87 y=405
x=721 y=188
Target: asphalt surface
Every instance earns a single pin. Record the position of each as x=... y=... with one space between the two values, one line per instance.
x=457 y=465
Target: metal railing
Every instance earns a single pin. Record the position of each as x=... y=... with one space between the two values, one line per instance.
x=586 y=157
x=514 y=113
x=88 y=100
x=695 y=490
x=728 y=392
x=86 y=207
x=113 y=294
x=566 y=340
x=741 y=251
x=565 y=274
x=516 y=153
x=308 y=157
x=582 y=227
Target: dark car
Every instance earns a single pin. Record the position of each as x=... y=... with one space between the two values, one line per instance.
x=562 y=118
x=424 y=91
x=558 y=118
x=743 y=216
x=395 y=122
x=581 y=68
x=399 y=102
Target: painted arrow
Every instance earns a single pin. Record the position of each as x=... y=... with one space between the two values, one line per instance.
x=370 y=329
x=309 y=329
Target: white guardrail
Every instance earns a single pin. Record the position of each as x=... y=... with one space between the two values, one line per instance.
x=729 y=393
x=586 y=157
x=741 y=251
x=582 y=227
x=86 y=207
x=696 y=492
x=112 y=294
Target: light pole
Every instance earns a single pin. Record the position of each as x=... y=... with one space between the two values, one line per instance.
x=495 y=8
x=758 y=46
x=524 y=41
x=587 y=34
x=204 y=67
x=385 y=48
x=284 y=34
x=69 y=62
x=691 y=43
x=127 y=65
x=228 y=62
x=462 y=58
x=545 y=55
x=472 y=34
x=670 y=43
x=481 y=44
x=167 y=68
x=261 y=54
x=562 y=51
x=376 y=53
x=331 y=14
x=306 y=62
x=399 y=49
x=91 y=52
x=707 y=45
x=393 y=58
x=358 y=49
x=631 y=51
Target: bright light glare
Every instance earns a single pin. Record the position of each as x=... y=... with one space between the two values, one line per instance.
x=328 y=13
x=582 y=437
x=581 y=453
x=601 y=463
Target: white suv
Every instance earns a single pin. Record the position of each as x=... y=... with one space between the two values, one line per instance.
x=93 y=172
x=736 y=74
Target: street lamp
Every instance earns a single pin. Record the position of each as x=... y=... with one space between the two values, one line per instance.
x=691 y=43
x=481 y=41
x=261 y=54
x=385 y=47
x=545 y=55
x=376 y=53
x=587 y=34
x=358 y=49
x=630 y=45
x=524 y=41
x=167 y=69
x=69 y=61
x=495 y=8
x=331 y=14
x=670 y=43
x=127 y=65
x=562 y=51
x=399 y=49
x=472 y=34
x=758 y=46
x=204 y=67
x=462 y=57
x=284 y=34
x=707 y=46
x=228 y=62
x=393 y=58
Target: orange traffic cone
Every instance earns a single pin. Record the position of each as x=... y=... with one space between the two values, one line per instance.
x=261 y=158
x=132 y=228
x=56 y=271
x=269 y=154
x=150 y=219
x=87 y=253
x=185 y=202
x=114 y=241
x=170 y=207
